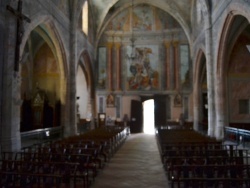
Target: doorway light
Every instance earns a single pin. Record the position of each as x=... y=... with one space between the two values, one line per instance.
x=248 y=47
x=148 y=117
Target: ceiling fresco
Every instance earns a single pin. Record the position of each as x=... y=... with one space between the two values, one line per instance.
x=104 y=10
x=148 y=26
x=143 y=18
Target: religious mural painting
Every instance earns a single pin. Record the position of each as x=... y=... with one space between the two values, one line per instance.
x=121 y=22
x=143 y=72
x=102 y=67
x=184 y=68
x=143 y=18
x=110 y=100
x=142 y=69
x=178 y=100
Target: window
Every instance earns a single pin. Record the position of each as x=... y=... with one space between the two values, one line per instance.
x=85 y=17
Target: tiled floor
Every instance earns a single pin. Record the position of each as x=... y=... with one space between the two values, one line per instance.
x=136 y=164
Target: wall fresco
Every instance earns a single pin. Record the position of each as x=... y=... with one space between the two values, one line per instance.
x=142 y=69
x=102 y=67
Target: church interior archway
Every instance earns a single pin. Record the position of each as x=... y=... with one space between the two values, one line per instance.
x=144 y=50
x=41 y=82
x=238 y=72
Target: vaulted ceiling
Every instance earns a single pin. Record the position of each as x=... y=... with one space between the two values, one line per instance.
x=182 y=10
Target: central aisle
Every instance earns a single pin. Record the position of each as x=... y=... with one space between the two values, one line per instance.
x=136 y=164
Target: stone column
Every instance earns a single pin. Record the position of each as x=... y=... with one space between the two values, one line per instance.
x=197 y=91
x=110 y=66
x=171 y=67
x=167 y=64
x=210 y=79
x=71 y=123
x=176 y=65
x=196 y=102
x=118 y=66
x=10 y=138
x=221 y=120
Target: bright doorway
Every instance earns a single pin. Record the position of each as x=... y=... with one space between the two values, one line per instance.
x=148 y=117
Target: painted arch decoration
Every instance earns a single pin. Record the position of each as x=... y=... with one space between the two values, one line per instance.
x=151 y=27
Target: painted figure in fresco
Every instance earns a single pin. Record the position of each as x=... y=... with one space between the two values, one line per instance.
x=178 y=100
x=110 y=100
x=143 y=75
x=142 y=19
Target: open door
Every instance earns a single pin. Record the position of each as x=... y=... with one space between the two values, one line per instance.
x=160 y=110
x=136 y=117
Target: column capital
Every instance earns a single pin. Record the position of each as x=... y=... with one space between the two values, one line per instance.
x=167 y=44
x=175 y=43
x=117 y=45
x=109 y=45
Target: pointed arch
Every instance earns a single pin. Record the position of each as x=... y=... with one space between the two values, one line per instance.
x=55 y=37
x=45 y=27
x=174 y=13
x=235 y=17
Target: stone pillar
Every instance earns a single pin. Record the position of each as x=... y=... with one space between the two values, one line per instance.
x=196 y=102
x=93 y=111
x=197 y=92
x=118 y=66
x=10 y=138
x=171 y=67
x=110 y=66
x=176 y=65
x=210 y=79
x=71 y=123
x=221 y=96
x=167 y=65
x=221 y=120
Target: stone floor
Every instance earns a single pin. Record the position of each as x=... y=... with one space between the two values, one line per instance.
x=136 y=164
